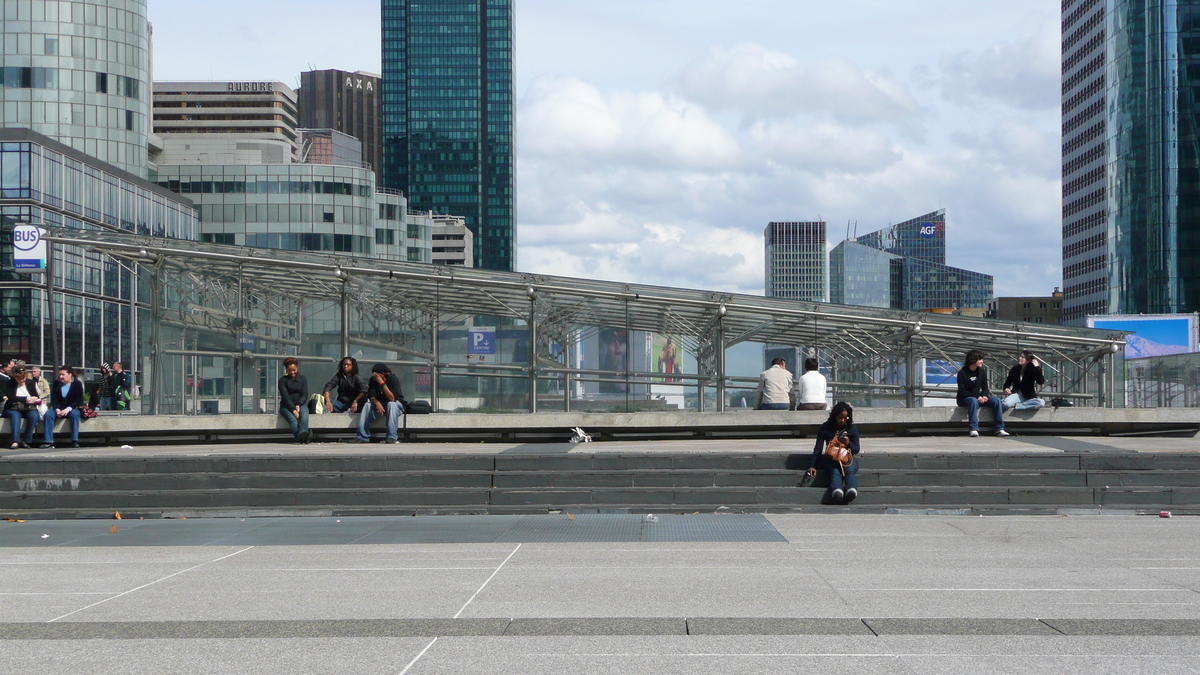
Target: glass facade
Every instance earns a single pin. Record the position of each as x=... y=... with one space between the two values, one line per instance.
x=795 y=260
x=903 y=267
x=77 y=71
x=860 y=275
x=297 y=207
x=1131 y=157
x=448 y=115
x=95 y=299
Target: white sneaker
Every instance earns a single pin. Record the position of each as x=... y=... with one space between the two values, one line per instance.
x=838 y=495
x=1001 y=432
x=974 y=434
x=851 y=494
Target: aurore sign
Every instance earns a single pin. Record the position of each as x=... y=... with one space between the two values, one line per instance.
x=29 y=248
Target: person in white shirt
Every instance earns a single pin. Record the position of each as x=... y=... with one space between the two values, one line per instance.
x=775 y=388
x=812 y=387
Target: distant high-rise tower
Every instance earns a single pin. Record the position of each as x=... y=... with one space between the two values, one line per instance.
x=448 y=115
x=796 y=260
x=1130 y=157
x=345 y=102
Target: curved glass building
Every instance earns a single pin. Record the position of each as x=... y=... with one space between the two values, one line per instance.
x=78 y=72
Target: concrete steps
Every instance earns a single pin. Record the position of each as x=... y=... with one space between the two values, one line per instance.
x=537 y=483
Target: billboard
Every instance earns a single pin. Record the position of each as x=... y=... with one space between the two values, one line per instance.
x=667 y=352
x=1153 y=334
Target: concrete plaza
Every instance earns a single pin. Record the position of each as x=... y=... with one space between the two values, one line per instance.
x=607 y=593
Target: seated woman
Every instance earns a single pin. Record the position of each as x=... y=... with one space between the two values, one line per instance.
x=293 y=399
x=21 y=405
x=843 y=479
x=1020 y=389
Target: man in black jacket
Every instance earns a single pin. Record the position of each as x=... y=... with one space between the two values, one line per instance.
x=973 y=393
x=383 y=398
x=66 y=398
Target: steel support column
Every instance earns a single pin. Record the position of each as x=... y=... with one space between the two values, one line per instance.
x=533 y=337
x=435 y=365
x=345 y=315
x=720 y=359
x=910 y=374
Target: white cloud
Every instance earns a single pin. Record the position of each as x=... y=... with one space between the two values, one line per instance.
x=766 y=83
x=1025 y=74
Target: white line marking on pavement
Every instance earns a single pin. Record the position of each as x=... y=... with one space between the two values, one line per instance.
x=149 y=584
x=360 y=569
x=1014 y=590
x=489 y=579
x=418 y=656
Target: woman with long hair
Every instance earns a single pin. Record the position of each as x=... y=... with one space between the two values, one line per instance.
x=346 y=390
x=838 y=435
x=21 y=402
x=1020 y=389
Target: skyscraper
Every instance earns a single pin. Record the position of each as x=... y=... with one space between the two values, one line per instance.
x=345 y=102
x=448 y=115
x=795 y=255
x=903 y=266
x=1130 y=157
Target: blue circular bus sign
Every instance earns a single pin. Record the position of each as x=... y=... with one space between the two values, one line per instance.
x=29 y=248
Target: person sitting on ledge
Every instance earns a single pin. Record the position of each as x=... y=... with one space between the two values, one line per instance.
x=383 y=399
x=775 y=390
x=840 y=430
x=293 y=399
x=21 y=402
x=66 y=398
x=812 y=387
x=973 y=393
x=346 y=390
x=1021 y=385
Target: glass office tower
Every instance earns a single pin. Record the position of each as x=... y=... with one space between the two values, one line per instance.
x=77 y=72
x=1130 y=157
x=795 y=260
x=448 y=115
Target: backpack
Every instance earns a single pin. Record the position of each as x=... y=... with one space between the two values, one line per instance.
x=316 y=404
x=418 y=408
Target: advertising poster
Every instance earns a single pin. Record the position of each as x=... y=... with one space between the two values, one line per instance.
x=614 y=357
x=667 y=354
x=1153 y=334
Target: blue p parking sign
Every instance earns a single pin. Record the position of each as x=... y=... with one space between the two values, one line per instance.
x=481 y=341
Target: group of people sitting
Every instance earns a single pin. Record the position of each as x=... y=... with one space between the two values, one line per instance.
x=838 y=444
x=29 y=399
x=346 y=392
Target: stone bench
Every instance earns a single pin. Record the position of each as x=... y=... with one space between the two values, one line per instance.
x=113 y=428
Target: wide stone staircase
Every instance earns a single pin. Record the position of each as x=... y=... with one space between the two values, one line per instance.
x=540 y=482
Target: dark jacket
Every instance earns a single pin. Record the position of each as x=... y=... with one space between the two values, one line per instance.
x=375 y=390
x=73 y=399
x=105 y=383
x=1026 y=385
x=346 y=388
x=293 y=392
x=18 y=402
x=826 y=433
x=972 y=384
x=120 y=379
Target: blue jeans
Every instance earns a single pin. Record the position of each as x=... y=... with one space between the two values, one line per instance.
x=338 y=406
x=299 y=426
x=106 y=403
x=14 y=425
x=393 y=410
x=1019 y=402
x=973 y=406
x=836 y=480
x=48 y=423
x=774 y=406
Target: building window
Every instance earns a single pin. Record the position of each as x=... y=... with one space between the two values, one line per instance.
x=1025 y=305
x=102 y=83
x=128 y=120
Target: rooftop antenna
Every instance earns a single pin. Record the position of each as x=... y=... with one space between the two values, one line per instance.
x=856 y=230
x=847 y=229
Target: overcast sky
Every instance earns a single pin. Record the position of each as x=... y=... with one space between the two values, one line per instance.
x=657 y=138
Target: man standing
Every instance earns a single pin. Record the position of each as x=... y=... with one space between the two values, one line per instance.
x=775 y=390
x=973 y=393
x=122 y=394
x=383 y=398
x=104 y=387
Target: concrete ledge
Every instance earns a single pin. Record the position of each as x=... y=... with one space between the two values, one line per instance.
x=556 y=426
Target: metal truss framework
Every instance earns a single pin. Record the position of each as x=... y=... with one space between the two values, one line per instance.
x=400 y=306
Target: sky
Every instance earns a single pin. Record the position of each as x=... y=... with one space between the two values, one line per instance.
x=657 y=138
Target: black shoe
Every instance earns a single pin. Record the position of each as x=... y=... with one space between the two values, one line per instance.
x=23 y=446
x=359 y=440
x=304 y=436
x=851 y=494
x=74 y=444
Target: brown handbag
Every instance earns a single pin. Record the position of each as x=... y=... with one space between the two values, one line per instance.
x=838 y=452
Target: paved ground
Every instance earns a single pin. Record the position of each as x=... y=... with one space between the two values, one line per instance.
x=603 y=593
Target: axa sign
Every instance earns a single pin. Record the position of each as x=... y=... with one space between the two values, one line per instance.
x=29 y=248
